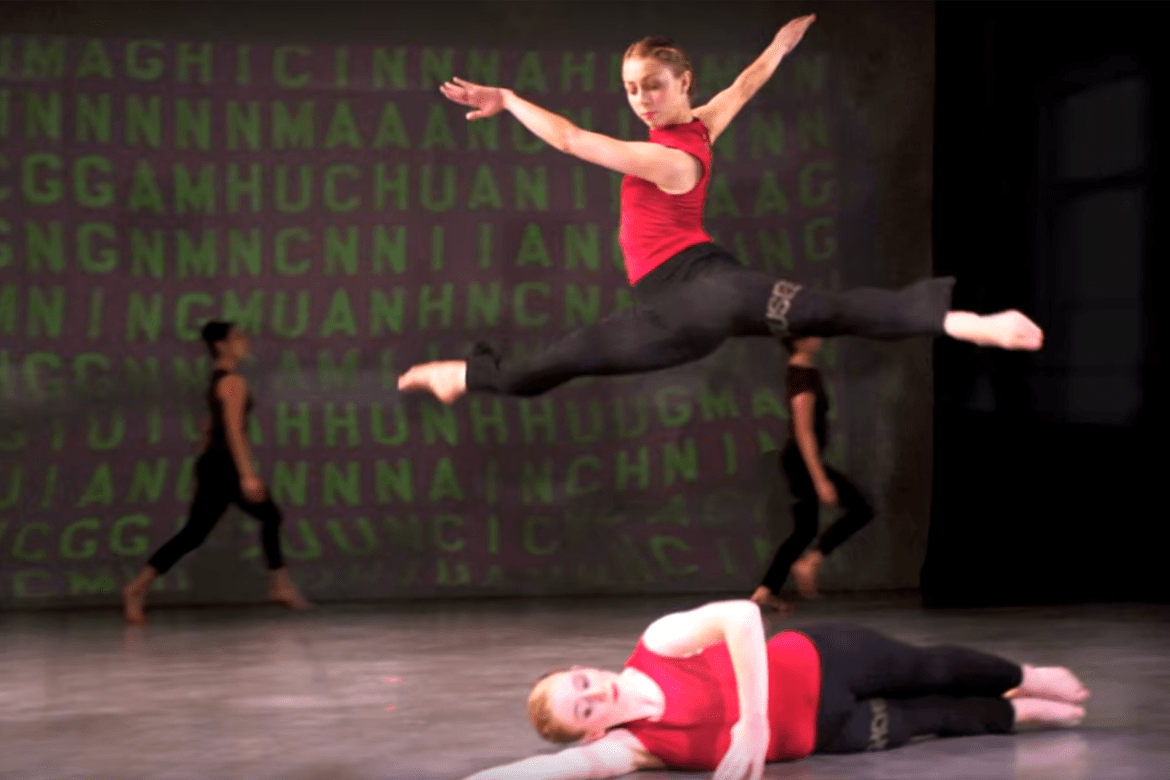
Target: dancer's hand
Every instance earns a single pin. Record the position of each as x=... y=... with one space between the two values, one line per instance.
x=252 y=488
x=487 y=101
x=791 y=33
x=827 y=492
x=746 y=755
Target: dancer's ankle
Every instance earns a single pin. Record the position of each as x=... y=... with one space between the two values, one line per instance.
x=1045 y=712
x=962 y=325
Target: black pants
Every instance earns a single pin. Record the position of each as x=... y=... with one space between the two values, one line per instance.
x=218 y=486
x=687 y=307
x=878 y=693
x=806 y=508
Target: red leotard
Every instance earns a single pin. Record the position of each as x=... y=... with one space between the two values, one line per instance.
x=702 y=703
x=656 y=226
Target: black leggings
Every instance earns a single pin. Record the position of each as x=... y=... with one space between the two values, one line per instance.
x=878 y=693
x=687 y=307
x=218 y=487
x=805 y=510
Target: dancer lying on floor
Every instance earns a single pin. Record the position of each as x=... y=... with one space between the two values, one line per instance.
x=704 y=691
x=691 y=294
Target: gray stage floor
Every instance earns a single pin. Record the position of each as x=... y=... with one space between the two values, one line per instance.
x=437 y=690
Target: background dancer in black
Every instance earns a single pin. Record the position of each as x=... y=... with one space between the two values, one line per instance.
x=811 y=482
x=225 y=475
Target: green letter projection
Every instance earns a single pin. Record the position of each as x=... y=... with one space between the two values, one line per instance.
x=354 y=223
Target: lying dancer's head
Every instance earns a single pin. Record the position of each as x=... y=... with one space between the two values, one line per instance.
x=580 y=702
x=225 y=340
x=659 y=79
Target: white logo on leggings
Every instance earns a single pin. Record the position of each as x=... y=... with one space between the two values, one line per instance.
x=879 y=724
x=778 y=305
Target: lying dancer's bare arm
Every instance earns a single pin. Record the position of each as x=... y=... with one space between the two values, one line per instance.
x=617 y=753
x=721 y=109
x=737 y=623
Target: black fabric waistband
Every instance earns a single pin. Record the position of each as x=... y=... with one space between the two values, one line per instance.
x=687 y=264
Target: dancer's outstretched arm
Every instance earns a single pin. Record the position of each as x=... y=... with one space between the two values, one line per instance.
x=617 y=753
x=721 y=109
x=671 y=169
x=737 y=623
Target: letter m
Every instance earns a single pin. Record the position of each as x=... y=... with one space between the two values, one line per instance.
x=44 y=61
x=718 y=405
x=290 y=133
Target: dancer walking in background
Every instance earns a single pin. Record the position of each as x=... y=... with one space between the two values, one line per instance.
x=691 y=294
x=811 y=482
x=225 y=475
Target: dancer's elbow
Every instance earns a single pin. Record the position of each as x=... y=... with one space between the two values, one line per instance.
x=570 y=141
x=746 y=610
x=738 y=612
x=744 y=614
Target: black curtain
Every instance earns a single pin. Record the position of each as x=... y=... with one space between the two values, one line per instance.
x=1047 y=465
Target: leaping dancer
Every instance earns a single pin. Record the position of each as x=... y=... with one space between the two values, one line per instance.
x=691 y=294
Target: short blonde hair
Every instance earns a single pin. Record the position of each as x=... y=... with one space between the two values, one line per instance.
x=541 y=716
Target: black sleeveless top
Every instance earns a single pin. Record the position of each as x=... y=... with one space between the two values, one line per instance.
x=801 y=379
x=217 y=440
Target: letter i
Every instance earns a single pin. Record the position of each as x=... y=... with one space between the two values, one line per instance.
x=341 y=65
x=154 y=425
x=725 y=556
x=730 y=453
x=493 y=524
x=243 y=65
x=95 y=314
x=50 y=487
x=485 y=245
x=438 y=240
x=624 y=131
x=5 y=111
x=579 y=200
x=491 y=490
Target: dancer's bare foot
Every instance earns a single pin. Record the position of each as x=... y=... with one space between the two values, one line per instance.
x=134 y=595
x=1046 y=712
x=805 y=571
x=283 y=591
x=444 y=379
x=133 y=603
x=291 y=599
x=1006 y=330
x=1054 y=683
x=769 y=601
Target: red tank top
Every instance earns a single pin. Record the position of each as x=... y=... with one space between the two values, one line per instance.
x=702 y=703
x=656 y=226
